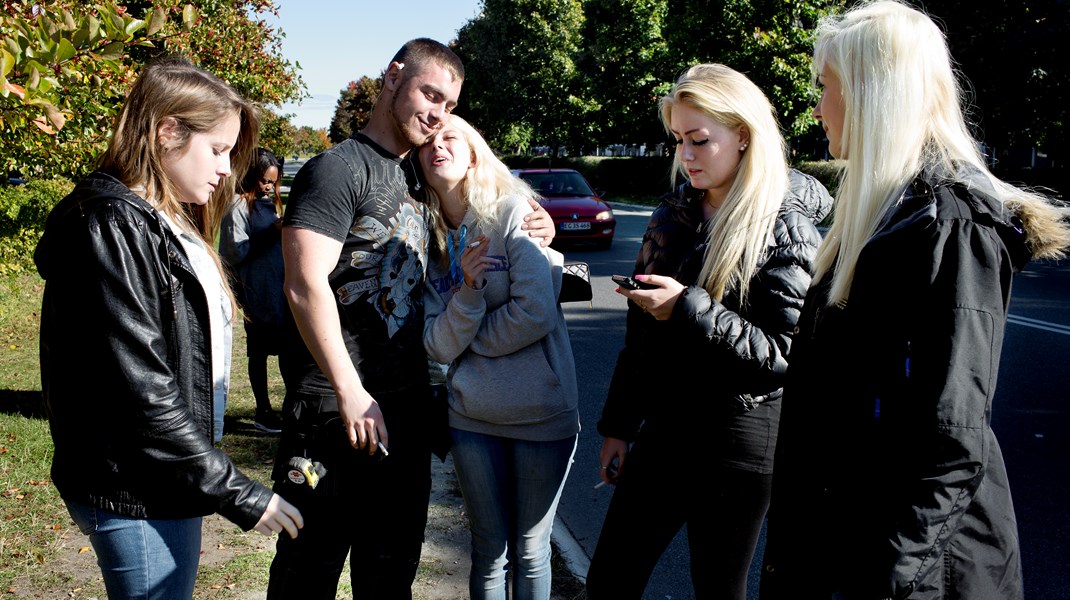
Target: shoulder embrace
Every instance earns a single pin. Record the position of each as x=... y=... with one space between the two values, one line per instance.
x=513 y=208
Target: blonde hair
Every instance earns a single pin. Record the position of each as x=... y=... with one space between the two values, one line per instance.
x=487 y=183
x=740 y=233
x=198 y=102
x=902 y=115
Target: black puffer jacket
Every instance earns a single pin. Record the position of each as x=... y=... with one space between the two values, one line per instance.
x=126 y=365
x=889 y=482
x=735 y=356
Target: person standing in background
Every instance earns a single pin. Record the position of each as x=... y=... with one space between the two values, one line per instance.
x=889 y=481
x=250 y=244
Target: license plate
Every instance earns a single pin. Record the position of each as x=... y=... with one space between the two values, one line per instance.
x=573 y=225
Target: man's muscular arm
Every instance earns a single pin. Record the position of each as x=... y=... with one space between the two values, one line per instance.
x=310 y=257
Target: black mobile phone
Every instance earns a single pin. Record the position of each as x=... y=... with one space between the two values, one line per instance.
x=631 y=283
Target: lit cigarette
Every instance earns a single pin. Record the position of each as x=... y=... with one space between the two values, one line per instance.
x=474 y=244
x=382 y=448
x=599 y=484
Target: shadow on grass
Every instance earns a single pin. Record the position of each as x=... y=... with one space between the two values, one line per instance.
x=29 y=404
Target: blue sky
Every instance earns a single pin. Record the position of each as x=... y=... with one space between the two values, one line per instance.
x=338 y=41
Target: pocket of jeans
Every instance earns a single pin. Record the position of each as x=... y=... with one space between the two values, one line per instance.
x=85 y=517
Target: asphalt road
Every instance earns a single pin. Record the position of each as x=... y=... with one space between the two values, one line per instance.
x=1032 y=421
x=1031 y=416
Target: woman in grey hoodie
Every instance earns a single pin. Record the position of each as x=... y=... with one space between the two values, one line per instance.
x=492 y=315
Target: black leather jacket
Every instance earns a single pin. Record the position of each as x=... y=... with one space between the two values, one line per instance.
x=735 y=354
x=126 y=366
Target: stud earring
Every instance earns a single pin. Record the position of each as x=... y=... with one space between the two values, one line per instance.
x=744 y=146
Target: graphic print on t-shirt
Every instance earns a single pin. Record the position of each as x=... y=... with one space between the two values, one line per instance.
x=393 y=268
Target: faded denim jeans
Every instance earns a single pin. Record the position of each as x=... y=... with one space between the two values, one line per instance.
x=511 y=489
x=142 y=558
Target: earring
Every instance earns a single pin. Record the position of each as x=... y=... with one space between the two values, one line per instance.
x=744 y=146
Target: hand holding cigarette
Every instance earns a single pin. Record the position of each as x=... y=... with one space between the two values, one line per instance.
x=475 y=261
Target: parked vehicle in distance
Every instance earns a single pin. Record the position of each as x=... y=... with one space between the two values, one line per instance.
x=576 y=208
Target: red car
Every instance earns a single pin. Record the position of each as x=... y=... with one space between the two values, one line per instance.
x=578 y=211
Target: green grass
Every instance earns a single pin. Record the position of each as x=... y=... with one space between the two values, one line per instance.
x=32 y=515
x=246 y=571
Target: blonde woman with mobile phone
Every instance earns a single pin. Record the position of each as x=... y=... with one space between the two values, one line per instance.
x=726 y=259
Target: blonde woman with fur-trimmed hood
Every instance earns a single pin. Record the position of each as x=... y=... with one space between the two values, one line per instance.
x=888 y=479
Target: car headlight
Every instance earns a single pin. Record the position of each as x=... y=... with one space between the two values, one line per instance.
x=605 y=215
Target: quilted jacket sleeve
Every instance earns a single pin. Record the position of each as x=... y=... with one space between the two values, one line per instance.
x=753 y=341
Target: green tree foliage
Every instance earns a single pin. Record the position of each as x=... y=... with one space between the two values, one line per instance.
x=588 y=73
x=521 y=72
x=232 y=39
x=311 y=141
x=626 y=63
x=277 y=134
x=354 y=107
x=771 y=41
x=64 y=71
x=22 y=218
x=66 y=66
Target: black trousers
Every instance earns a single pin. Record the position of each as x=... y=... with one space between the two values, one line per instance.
x=371 y=508
x=657 y=494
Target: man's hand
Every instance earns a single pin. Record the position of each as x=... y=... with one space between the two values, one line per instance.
x=363 y=421
x=539 y=224
x=310 y=257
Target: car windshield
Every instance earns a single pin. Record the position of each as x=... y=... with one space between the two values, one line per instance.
x=550 y=185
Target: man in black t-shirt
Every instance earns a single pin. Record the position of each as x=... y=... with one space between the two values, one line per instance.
x=355 y=245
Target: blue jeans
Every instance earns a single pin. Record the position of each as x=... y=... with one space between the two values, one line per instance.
x=142 y=558
x=511 y=489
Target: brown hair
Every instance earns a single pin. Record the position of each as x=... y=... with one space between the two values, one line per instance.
x=171 y=87
x=198 y=101
x=420 y=53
